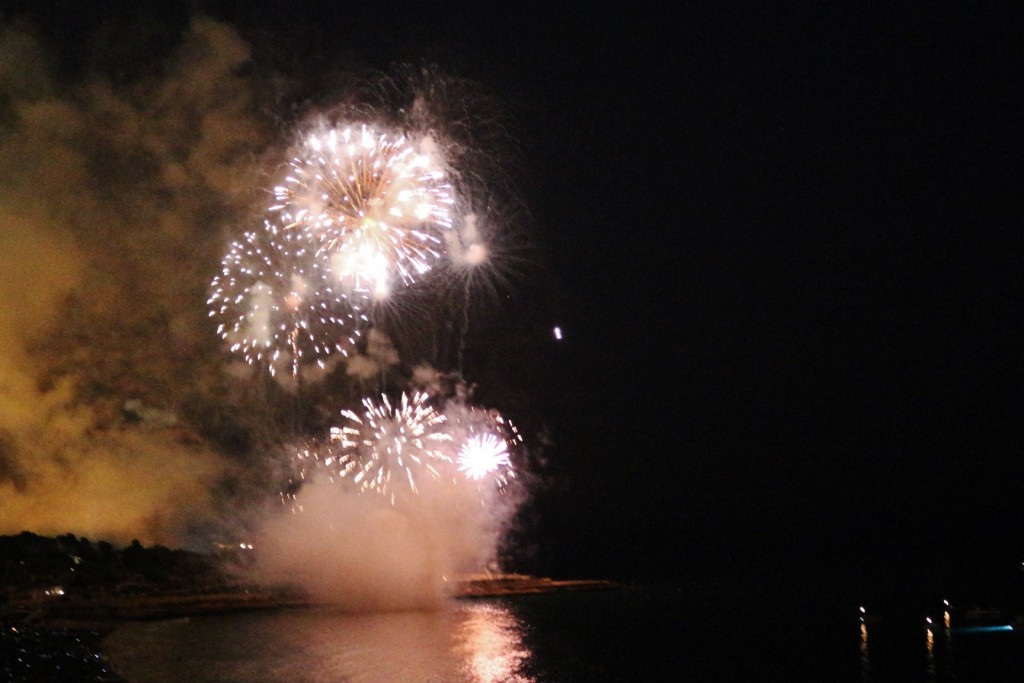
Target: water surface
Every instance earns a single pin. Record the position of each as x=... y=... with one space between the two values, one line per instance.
x=627 y=634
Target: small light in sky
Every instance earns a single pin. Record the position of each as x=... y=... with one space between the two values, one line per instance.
x=558 y=333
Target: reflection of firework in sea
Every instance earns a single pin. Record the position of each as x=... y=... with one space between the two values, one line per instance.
x=375 y=203
x=275 y=303
x=387 y=448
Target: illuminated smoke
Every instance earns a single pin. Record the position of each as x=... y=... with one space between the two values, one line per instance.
x=109 y=204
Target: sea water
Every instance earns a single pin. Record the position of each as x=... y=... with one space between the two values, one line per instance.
x=625 y=634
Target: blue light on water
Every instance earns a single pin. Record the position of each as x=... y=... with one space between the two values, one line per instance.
x=983 y=629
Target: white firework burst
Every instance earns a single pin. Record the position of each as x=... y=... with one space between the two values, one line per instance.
x=388 y=448
x=376 y=204
x=275 y=304
x=483 y=441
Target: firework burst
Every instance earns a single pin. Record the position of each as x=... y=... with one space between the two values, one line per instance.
x=389 y=447
x=375 y=203
x=483 y=442
x=276 y=305
x=482 y=454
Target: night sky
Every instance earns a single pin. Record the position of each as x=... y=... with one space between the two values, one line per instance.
x=784 y=245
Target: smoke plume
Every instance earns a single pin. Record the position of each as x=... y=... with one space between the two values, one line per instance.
x=112 y=202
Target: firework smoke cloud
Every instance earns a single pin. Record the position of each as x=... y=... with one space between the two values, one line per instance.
x=109 y=201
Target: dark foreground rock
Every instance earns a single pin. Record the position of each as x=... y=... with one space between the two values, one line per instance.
x=48 y=653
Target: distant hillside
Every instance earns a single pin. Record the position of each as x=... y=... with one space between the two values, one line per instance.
x=39 y=567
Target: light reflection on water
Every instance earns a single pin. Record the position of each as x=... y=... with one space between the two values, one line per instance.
x=930 y=646
x=491 y=641
x=938 y=651
x=471 y=642
x=865 y=654
x=629 y=634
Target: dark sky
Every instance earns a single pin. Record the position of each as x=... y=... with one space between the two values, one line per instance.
x=788 y=258
x=784 y=244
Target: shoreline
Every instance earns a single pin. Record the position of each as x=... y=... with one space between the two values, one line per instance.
x=63 y=636
x=103 y=613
